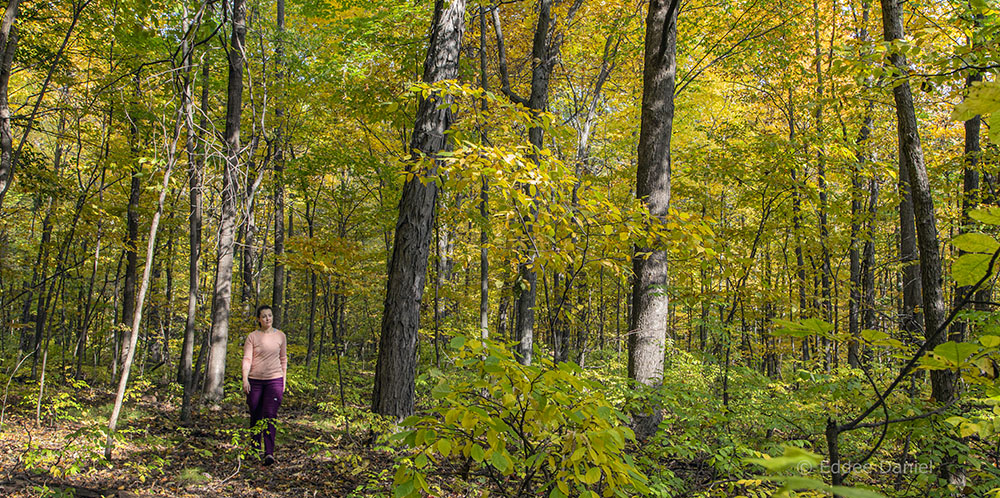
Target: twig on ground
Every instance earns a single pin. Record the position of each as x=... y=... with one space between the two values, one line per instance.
x=239 y=464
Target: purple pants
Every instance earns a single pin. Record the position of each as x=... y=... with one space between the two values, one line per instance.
x=263 y=401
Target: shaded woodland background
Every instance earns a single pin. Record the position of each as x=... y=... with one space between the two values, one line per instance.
x=581 y=278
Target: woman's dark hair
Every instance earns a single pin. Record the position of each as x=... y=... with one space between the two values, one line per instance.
x=262 y=308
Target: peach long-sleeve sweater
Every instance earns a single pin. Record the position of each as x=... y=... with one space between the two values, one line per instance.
x=265 y=352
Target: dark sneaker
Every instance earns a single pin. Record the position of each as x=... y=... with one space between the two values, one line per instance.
x=268 y=460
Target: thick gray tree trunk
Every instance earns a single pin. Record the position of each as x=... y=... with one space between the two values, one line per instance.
x=648 y=330
x=910 y=152
x=395 y=372
x=223 y=292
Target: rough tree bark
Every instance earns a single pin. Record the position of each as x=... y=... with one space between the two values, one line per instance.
x=395 y=371
x=910 y=152
x=648 y=328
x=544 y=52
x=222 y=297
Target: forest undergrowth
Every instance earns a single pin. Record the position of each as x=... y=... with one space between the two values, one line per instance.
x=712 y=432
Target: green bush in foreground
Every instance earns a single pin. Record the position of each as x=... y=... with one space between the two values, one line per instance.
x=528 y=429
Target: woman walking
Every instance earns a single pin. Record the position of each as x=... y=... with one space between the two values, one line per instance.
x=265 y=364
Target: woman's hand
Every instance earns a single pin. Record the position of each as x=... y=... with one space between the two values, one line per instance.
x=246 y=386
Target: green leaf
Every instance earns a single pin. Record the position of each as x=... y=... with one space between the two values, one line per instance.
x=444 y=447
x=995 y=127
x=989 y=341
x=956 y=353
x=976 y=242
x=983 y=98
x=989 y=215
x=970 y=268
x=873 y=335
x=500 y=461
x=563 y=486
x=478 y=454
x=956 y=420
x=404 y=489
x=593 y=475
x=792 y=457
x=803 y=328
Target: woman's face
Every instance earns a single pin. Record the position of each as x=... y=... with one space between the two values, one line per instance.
x=265 y=318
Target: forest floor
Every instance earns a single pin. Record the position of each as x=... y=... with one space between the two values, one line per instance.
x=155 y=456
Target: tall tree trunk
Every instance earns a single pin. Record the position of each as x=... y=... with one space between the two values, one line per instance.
x=42 y=302
x=868 y=261
x=41 y=309
x=860 y=271
x=911 y=154
x=909 y=258
x=395 y=371
x=289 y=232
x=484 y=197
x=800 y=265
x=196 y=163
x=855 y=305
x=648 y=328
x=310 y=223
x=249 y=295
x=222 y=296
x=168 y=295
x=824 y=233
x=544 y=52
x=970 y=186
x=132 y=226
x=278 y=289
x=8 y=45
x=537 y=101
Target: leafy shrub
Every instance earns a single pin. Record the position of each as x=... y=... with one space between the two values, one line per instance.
x=528 y=429
x=81 y=449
